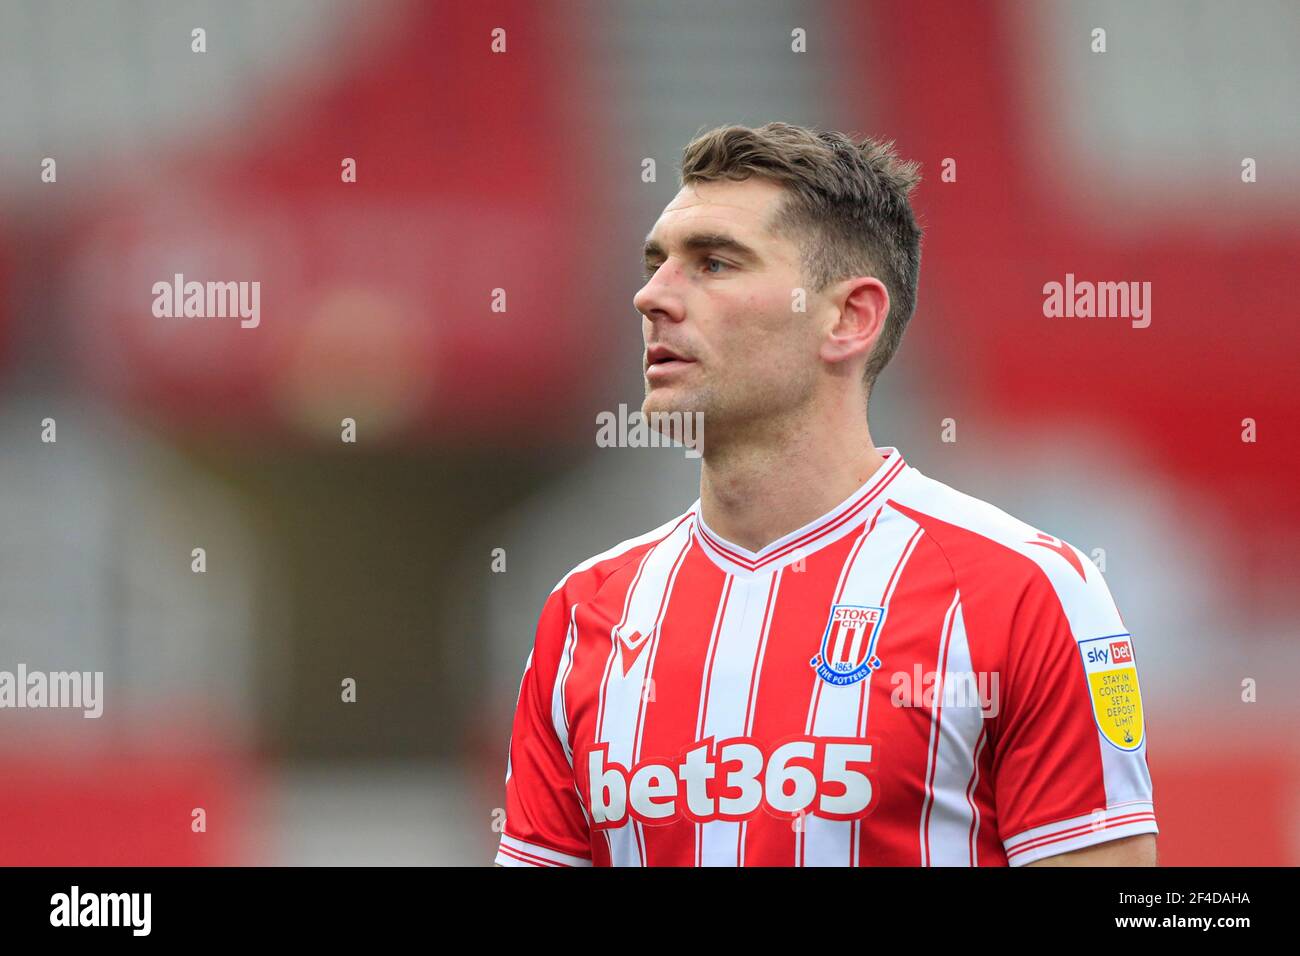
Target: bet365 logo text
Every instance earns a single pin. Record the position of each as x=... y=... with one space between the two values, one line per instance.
x=730 y=779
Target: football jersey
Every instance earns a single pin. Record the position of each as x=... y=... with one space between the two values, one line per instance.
x=916 y=678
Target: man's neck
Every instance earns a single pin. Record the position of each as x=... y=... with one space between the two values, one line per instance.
x=754 y=492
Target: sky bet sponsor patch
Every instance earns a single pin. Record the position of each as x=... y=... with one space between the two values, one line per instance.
x=1113 y=682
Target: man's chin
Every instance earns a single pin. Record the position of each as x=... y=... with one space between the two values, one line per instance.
x=663 y=400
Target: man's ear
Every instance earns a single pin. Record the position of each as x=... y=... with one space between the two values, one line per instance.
x=861 y=305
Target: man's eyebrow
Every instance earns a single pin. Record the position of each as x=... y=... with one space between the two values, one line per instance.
x=702 y=241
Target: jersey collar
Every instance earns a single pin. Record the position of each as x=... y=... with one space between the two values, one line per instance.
x=817 y=534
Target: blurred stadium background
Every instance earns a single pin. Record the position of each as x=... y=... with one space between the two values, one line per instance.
x=522 y=171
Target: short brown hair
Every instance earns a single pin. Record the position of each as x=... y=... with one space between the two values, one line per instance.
x=848 y=207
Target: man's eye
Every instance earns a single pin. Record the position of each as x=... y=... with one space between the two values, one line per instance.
x=651 y=268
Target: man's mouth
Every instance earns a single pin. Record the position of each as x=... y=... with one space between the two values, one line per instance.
x=659 y=360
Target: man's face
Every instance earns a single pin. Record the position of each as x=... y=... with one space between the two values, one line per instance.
x=718 y=297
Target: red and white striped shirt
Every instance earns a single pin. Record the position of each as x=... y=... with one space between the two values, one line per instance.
x=916 y=678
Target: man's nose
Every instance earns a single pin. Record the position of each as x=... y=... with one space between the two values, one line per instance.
x=660 y=297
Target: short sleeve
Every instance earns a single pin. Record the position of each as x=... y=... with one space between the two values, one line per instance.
x=545 y=823
x=1069 y=768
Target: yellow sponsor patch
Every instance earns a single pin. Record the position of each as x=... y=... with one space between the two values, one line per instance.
x=1113 y=683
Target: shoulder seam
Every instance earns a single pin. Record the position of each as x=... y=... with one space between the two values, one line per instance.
x=991 y=539
x=938 y=543
x=626 y=554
